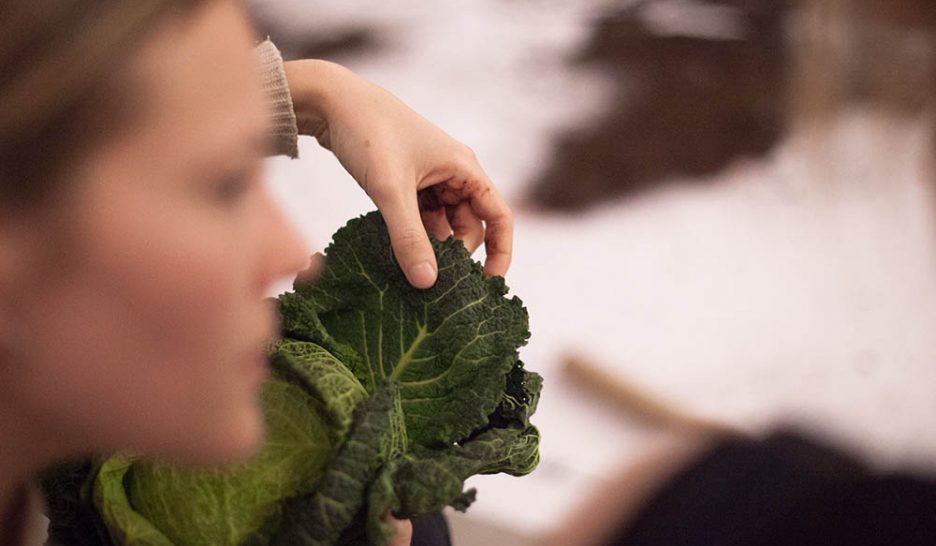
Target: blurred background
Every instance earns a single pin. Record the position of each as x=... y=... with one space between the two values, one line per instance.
x=727 y=205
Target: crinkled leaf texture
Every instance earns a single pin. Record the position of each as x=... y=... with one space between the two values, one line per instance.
x=384 y=398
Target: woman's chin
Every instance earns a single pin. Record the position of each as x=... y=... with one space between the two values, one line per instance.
x=242 y=441
x=234 y=442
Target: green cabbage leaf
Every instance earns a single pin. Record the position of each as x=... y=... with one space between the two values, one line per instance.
x=383 y=398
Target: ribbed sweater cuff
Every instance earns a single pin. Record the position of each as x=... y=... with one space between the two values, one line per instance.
x=273 y=76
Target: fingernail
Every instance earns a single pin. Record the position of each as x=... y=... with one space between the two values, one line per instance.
x=422 y=275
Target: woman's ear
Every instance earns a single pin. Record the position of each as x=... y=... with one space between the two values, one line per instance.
x=10 y=253
x=13 y=338
x=15 y=252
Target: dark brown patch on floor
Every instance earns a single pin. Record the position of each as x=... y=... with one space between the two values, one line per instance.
x=334 y=47
x=684 y=106
x=336 y=44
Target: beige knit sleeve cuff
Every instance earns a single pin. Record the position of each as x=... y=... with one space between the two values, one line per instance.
x=273 y=76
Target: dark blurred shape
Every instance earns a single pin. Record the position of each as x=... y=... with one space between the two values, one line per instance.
x=353 y=41
x=786 y=490
x=685 y=105
x=871 y=54
x=332 y=44
x=432 y=530
x=902 y=13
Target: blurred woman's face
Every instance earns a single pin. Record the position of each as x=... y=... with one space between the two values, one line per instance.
x=142 y=293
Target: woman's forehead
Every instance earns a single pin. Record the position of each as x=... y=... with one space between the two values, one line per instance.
x=200 y=82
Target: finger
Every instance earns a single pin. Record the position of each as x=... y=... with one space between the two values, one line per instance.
x=437 y=223
x=402 y=531
x=488 y=205
x=311 y=273
x=409 y=240
x=466 y=226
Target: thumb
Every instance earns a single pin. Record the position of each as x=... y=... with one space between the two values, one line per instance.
x=402 y=531
x=410 y=243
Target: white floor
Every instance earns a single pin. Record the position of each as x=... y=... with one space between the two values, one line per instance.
x=800 y=289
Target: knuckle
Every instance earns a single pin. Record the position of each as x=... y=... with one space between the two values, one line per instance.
x=410 y=237
x=377 y=190
x=506 y=213
x=381 y=184
x=467 y=156
x=462 y=231
x=503 y=221
x=467 y=151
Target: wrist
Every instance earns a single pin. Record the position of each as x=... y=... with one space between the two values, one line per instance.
x=314 y=84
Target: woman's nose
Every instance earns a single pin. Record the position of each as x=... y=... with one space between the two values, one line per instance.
x=285 y=251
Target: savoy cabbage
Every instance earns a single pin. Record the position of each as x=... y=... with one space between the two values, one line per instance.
x=382 y=398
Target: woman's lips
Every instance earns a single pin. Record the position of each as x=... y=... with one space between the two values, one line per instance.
x=257 y=367
x=257 y=360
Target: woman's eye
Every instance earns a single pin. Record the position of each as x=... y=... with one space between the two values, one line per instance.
x=232 y=188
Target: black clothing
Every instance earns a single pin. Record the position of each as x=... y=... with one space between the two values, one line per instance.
x=786 y=491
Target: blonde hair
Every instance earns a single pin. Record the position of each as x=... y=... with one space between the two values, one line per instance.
x=60 y=84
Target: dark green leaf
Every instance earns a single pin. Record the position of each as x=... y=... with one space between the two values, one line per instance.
x=319 y=518
x=449 y=348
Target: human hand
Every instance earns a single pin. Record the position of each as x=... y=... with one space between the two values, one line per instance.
x=419 y=177
x=402 y=531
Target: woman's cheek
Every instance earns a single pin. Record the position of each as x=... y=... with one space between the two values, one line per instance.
x=186 y=297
